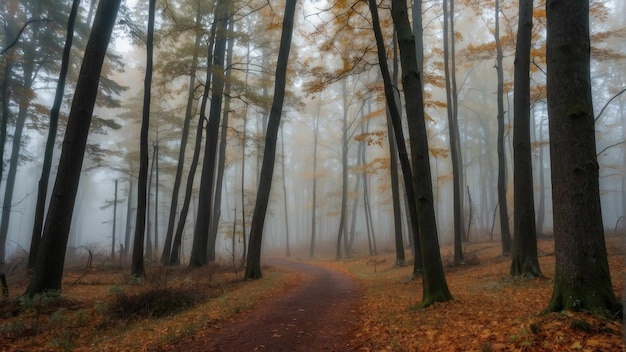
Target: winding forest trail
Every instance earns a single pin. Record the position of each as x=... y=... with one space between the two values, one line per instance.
x=319 y=314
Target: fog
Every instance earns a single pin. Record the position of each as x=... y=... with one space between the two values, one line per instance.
x=349 y=90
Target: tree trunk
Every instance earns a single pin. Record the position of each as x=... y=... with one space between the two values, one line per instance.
x=182 y=219
x=582 y=279
x=541 y=211
x=524 y=249
x=435 y=287
x=114 y=224
x=149 y=221
x=412 y=217
x=203 y=248
x=129 y=211
x=504 y=212
x=137 y=267
x=48 y=270
x=455 y=152
x=314 y=190
x=11 y=176
x=253 y=263
x=42 y=190
x=167 y=245
x=282 y=164
x=29 y=72
x=344 y=176
x=217 y=202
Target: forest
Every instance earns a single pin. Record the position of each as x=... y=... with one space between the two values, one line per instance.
x=449 y=175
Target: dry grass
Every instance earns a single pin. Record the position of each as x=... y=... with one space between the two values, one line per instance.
x=106 y=310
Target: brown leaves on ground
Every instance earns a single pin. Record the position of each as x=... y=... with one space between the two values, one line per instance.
x=491 y=312
x=104 y=309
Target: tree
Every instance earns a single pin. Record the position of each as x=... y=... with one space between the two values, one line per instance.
x=582 y=279
x=504 y=211
x=42 y=187
x=253 y=262
x=178 y=235
x=449 y=58
x=203 y=249
x=48 y=270
x=137 y=267
x=314 y=180
x=435 y=288
x=167 y=246
x=524 y=249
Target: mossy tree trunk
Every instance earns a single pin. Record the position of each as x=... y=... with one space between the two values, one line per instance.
x=582 y=278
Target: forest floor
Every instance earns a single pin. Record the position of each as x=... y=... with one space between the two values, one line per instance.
x=361 y=304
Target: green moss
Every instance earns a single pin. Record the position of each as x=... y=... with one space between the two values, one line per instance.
x=577 y=111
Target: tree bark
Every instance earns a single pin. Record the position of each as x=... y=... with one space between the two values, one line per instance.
x=137 y=266
x=48 y=270
x=182 y=219
x=253 y=262
x=435 y=287
x=203 y=248
x=314 y=190
x=42 y=190
x=221 y=159
x=524 y=249
x=504 y=212
x=582 y=279
x=167 y=245
x=344 y=176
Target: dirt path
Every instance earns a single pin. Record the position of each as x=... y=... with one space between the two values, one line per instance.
x=317 y=315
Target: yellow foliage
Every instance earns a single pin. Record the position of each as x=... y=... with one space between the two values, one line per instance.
x=441 y=153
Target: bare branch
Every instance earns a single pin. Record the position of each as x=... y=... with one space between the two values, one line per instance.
x=19 y=34
x=609 y=147
x=609 y=102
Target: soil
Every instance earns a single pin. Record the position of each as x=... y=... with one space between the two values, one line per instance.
x=318 y=314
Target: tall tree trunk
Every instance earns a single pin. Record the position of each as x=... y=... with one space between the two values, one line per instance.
x=371 y=235
x=48 y=270
x=314 y=190
x=410 y=202
x=542 y=184
x=524 y=251
x=253 y=262
x=11 y=176
x=24 y=103
x=395 y=193
x=156 y=200
x=42 y=190
x=582 y=279
x=129 y=211
x=221 y=161
x=504 y=212
x=344 y=177
x=282 y=164
x=203 y=248
x=6 y=96
x=435 y=288
x=394 y=112
x=148 y=249
x=167 y=245
x=182 y=219
x=114 y=224
x=137 y=267
x=453 y=127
